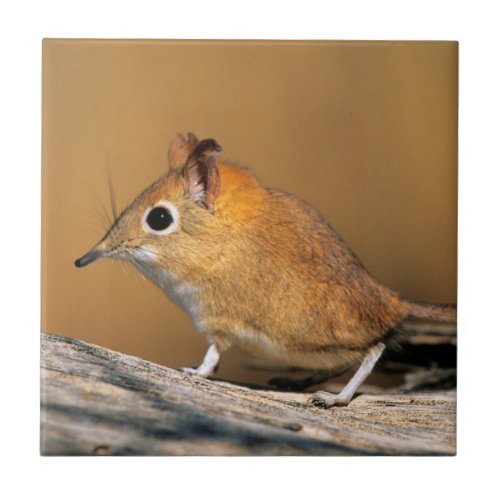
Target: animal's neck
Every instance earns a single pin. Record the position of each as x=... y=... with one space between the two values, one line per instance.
x=182 y=293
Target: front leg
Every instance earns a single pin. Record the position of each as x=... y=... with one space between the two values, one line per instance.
x=209 y=364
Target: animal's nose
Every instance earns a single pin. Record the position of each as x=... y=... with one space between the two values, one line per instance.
x=88 y=258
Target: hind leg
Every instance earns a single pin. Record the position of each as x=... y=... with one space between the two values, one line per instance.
x=293 y=384
x=327 y=400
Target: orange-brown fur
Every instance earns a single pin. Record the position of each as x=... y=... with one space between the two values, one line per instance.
x=271 y=274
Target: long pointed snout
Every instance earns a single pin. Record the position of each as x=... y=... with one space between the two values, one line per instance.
x=88 y=258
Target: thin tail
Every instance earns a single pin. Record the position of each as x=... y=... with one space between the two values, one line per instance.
x=438 y=312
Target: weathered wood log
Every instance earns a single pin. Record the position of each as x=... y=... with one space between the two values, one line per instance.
x=98 y=402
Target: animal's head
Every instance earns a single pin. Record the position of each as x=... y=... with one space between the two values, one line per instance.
x=171 y=223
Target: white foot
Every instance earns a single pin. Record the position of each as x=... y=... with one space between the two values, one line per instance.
x=209 y=364
x=195 y=371
x=324 y=399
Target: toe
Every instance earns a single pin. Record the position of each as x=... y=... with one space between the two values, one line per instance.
x=187 y=369
x=322 y=399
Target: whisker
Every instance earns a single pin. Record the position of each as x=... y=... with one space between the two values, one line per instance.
x=103 y=213
x=99 y=218
x=100 y=209
x=112 y=197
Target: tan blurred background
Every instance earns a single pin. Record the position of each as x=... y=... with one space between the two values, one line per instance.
x=366 y=132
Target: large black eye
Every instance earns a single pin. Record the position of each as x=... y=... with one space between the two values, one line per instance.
x=159 y=218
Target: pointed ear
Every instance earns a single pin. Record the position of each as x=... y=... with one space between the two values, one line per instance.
x=200 y=174
x=179 y=149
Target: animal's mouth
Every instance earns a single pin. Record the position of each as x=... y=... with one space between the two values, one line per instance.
x=121 y=250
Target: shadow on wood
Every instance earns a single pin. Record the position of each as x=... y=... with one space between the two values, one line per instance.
x=98 y=402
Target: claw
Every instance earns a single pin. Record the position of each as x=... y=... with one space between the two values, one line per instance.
x=318 y=400
x=323 y=399
x=187 y=369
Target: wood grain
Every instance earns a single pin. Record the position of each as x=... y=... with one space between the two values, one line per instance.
x=98 y=402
